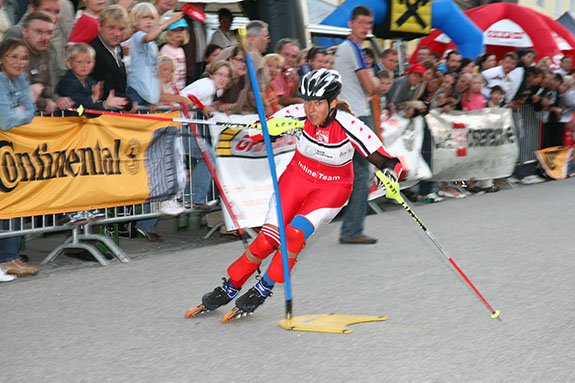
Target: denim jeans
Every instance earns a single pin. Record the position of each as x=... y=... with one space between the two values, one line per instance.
x=148 y=225
x=201 y=177
x=134 y=96
x=356 y=209
x=9 y=247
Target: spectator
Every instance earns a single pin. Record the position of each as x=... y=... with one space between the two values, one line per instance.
x=466 y=65
x=274 y=63
x=15 y=9
x=143 y=83
x=317 y=58
x=564 y=112
x=545 y=96
x=86 y=26
x=389 y=61
x=257 y=40
x=385 y=84
x=487 y=61
x=223 y=37
x=565 y=66
x=527 y=58
x=423 y=54
x=16 y=109
x=369 y=57
x=544 y=64
x=496 y=97
x=505 y=76
x=452 y=63
x=526 y=94
x=5 y=22
x=286 y=83
x=126 y=4
x=358 y=82
x=37 y=30
x=196 y=47
x=62 y=13
x=169 y=93
x=434 y=56
x=80 y=86
x=230 y=99
x=430 y=70
x=212 y=52
x=473 y=99
x=177 y=36
x=110 y=68
x=205 y=90
x=431 y=90
x=443 y=97
x=407 y=88
x=330 y=59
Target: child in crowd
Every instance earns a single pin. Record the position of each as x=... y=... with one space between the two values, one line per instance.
x=274 y=63
x=385 y=83
x=176 y=37
x=496 y=97
x=143 y=82
x=86 y=26
x=169 y=94
x=79 y=86
x=473 y=99
x=84 y=90
x=205 y=90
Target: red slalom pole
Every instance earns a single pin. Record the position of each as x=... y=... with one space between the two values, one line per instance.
x=495 y=314
x=214 y=174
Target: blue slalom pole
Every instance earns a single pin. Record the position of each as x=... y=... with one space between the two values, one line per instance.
x=270 y=155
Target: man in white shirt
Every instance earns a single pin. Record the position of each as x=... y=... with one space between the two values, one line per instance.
x=506 y=75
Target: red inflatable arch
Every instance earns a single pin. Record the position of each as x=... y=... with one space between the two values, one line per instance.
x=507 y=27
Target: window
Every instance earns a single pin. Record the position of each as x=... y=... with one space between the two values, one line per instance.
x=541 y=3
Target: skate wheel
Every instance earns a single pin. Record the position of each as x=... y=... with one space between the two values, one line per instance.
x=230 y=315
x=195 y=311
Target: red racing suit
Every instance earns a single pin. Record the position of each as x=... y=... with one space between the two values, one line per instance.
x=318 y=180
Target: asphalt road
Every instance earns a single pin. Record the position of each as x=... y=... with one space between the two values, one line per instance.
x=125 y=322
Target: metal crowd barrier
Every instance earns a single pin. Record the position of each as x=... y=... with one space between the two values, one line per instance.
x=38 y=225
x=528 y=132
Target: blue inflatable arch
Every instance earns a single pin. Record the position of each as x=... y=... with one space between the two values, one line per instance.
x=445 y=15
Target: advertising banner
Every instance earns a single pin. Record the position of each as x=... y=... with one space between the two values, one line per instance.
x=474 y=145
x=56 y=165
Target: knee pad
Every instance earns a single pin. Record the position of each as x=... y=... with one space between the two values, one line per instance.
x=276 y=270
x=297 y=233
x=265 y=243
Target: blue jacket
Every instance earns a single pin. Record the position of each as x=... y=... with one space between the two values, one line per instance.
x=13 y=94
x=70 y=86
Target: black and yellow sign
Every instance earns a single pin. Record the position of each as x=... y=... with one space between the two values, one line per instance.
x=412 y=16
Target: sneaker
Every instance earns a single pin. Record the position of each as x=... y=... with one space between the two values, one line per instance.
x=491 y=189
x=5 y=277
x=359 y=240
x=96 y=215
x=254 y=298
x=221 y=295
x=171 y=207
x=532 y=180
x=152 y=237
x=451 y=193
x=432 y=198
x=477 y=190
x=78 y=218
x=19 y=268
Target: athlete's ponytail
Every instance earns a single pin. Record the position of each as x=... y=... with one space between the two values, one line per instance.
x=344 y=106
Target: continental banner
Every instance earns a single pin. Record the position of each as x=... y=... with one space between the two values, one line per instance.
x=474 y=145
x=62 y=164
x=558 y=161
x=243 y=169
x=413 y=16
